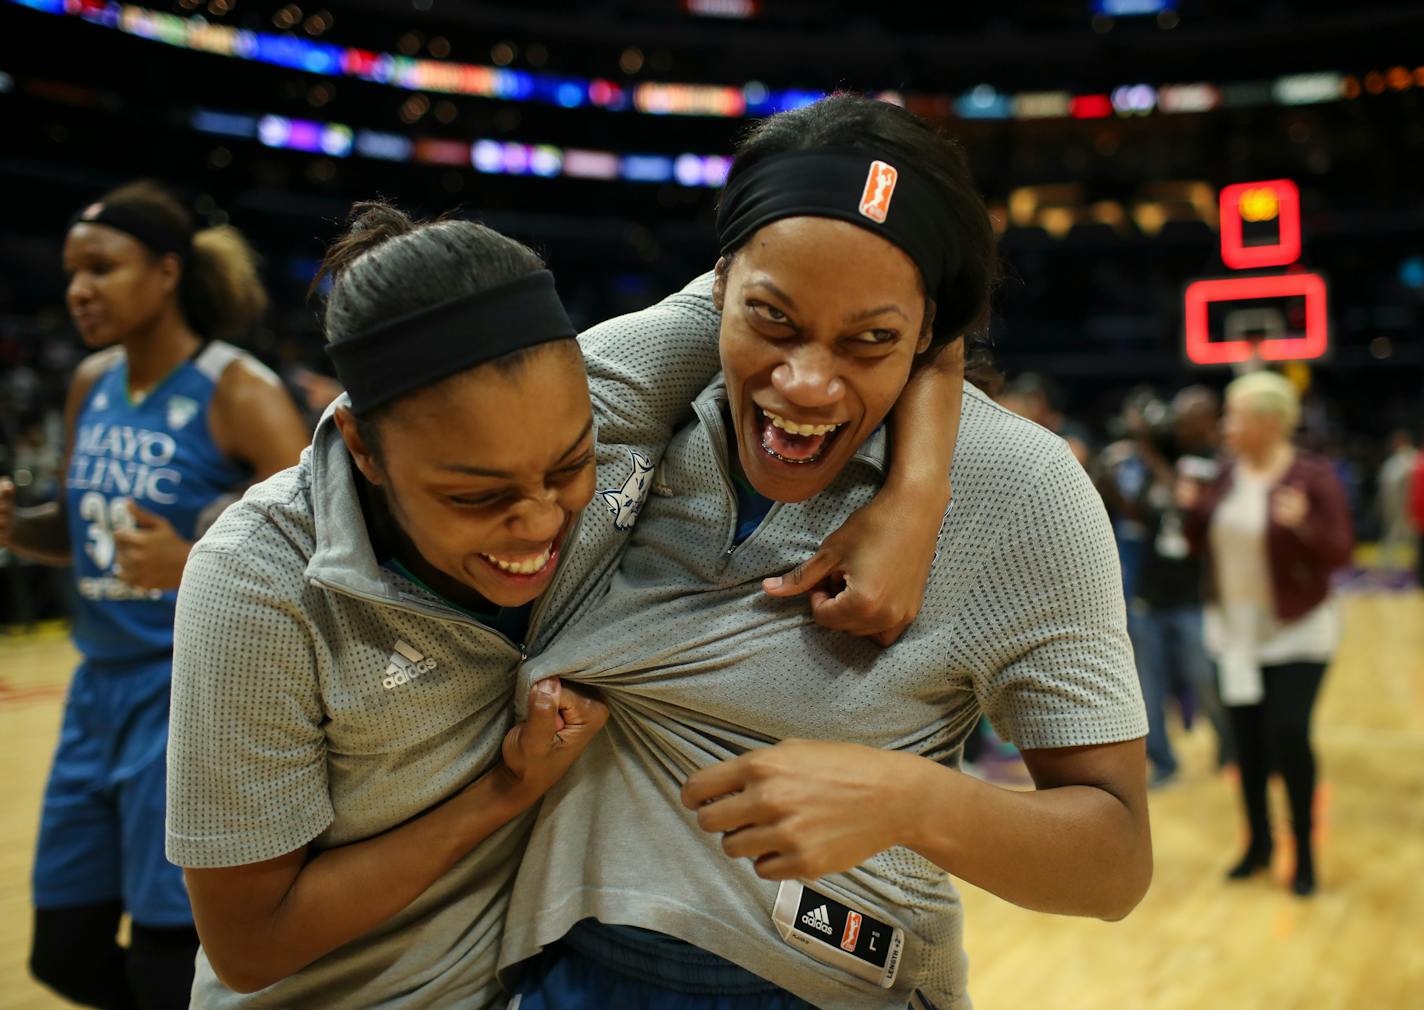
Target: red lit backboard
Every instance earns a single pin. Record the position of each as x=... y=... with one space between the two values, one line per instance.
x=1200 y=295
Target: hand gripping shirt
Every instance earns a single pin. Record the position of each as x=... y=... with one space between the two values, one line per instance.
x=1023 y=620
x=320 y=698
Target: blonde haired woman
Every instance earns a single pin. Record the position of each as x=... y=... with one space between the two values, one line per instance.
x=1272 y=528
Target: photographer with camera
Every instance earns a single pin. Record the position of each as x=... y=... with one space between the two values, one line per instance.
x=1163 y=442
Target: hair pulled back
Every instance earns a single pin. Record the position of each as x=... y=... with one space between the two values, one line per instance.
x=388 y=264
x=220 y=293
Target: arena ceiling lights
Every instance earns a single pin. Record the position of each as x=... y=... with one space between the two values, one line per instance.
x=486 y=156
x=659 y=98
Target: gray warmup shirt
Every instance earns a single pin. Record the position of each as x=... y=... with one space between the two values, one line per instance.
x=1023 y=620
x=321 y=699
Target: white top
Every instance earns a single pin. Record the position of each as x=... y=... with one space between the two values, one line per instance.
x=1394 y=480
x=1242 y=630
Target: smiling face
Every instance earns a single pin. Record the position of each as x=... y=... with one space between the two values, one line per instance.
x=117 y=287
x=821 y=321
x=485 y=473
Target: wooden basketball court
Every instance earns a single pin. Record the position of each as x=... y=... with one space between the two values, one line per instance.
x=1194 y=943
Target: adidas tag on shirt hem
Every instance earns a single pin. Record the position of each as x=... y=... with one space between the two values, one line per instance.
x=836 y=934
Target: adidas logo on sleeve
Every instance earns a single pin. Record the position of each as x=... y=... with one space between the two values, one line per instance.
x=406 y=664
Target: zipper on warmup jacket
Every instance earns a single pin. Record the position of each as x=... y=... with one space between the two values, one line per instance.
x=411 y=605
x=423 y=609
x=711 y=416
x=541 y=604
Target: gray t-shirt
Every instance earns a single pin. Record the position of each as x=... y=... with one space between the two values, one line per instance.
x=320 y=698
x=1023 y=620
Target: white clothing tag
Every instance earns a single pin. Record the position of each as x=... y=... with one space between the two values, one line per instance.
x=832 y=932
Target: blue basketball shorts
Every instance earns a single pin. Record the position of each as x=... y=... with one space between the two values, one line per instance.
x=564 y=979
x=102 y=826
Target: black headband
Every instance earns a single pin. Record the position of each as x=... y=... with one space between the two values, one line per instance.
x=161 y=236
x=879 y=194
x=385 y=362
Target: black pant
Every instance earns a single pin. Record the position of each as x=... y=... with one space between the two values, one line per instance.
x=1276 y=734
x=76 y=954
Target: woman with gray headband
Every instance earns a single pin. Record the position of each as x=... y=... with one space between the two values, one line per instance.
x=350 y=793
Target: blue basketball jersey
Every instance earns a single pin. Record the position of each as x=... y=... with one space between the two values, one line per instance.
x=160 y=453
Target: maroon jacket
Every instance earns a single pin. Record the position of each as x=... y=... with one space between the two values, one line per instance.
x=1416 y=494
x=1301 y=562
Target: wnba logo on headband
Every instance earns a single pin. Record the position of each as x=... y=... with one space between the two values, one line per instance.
x=879 y=188
x=825 y=182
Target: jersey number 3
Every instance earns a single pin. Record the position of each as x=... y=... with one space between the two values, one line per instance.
x=104 y=516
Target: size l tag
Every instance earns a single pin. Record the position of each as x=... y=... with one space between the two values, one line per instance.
x=832 y=932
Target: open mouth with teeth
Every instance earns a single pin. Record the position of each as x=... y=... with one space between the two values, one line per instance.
x=526 y=565
x=792 y=442
x=527 y=568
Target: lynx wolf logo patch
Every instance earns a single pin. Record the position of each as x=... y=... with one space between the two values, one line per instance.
x=181 y=410
x=879 y=188
x=627 y=501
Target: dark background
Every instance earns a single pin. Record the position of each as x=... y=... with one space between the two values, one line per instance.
x=86 y=107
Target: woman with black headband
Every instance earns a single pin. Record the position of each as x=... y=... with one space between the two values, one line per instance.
x=349 y=792
x=773 y=810
x=164 y=425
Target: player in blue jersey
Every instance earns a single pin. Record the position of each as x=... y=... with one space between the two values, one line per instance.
x=165 y=424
